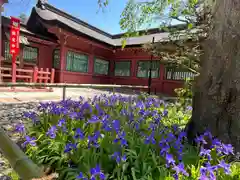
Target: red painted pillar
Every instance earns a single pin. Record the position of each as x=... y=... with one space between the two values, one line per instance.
x=162 y=72
x=111 y=71
x=52 y=75
x=14 y=68
x=62 y=61
x=91 y=64
x=35 y=74
x=134 y=68
x=91 y=61
x=112 y=67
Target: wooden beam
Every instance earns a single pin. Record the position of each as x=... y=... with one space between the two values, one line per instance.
x=41 y=41
x=60 y=31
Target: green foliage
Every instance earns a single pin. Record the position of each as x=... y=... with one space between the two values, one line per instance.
x=185 y=94
x=13 y=175
x=128 y=137
x=103 y=3
x=190 y=15
x=23 y=17
x=138 y=14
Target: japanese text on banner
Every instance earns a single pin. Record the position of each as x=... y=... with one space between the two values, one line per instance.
x=14 y=36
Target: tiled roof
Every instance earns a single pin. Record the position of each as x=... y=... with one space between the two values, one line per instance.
x=6 y=23
x=23 y=29
x=49 y=13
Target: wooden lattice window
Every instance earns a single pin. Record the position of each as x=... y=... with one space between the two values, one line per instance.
x=144 y=69
x=77 y=62
x=7 y=54
x=30 y=54
x=176 y=73
x=56 y=59
x=122 y=68
x=101 y=66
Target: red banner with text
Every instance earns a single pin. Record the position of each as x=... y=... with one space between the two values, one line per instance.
x=14 y=36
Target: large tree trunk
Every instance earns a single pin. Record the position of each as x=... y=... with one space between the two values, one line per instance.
x=216 y=105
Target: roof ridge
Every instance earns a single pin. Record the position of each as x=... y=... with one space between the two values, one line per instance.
x=43 y=4
x=24 y=24
x=72 y=18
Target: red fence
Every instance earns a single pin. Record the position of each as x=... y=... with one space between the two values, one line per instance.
x=34 y=75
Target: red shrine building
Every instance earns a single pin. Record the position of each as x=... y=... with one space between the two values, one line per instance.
x=83 y=54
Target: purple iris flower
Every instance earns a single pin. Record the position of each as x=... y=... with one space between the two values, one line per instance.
x=175 y=127
x=52 y=132
x=20 y=128
x=79 y=134
x=81 y=98
x=140 y=105
x=152 y=126
x=216 y=143
x=164 y=149
x=99 y=110
x=165 y=113
x=93 y=140
x=106 y=125
x=124 y=112
x=96 y=172
x=208 y=134
x=150 y=139
x=211 y=170
x=81 y=176
x=149 y=103
x=157 y=119
x=117 y=156
x=170 y=160
x=30 y=141
x=203 y=174
x=225 y=166
x=69 y=147
x=182 y=135
x=73 y=115
x=179 y=169
x=94 y=119
x=227 y=149
x=116 y=125
x=61 y=122
x=189 y=108
x=86 y=106
x=142 y=112
x=33 y=116
x=170 y=137
x=43 y=106
x=30 y=115
x=207 y=172
x=121 y=138
x=205 y=153
x=200 y=140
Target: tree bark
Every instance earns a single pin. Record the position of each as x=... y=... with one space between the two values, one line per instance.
x=216 y=102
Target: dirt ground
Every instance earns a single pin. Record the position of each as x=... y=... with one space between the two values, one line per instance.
x=57 y=94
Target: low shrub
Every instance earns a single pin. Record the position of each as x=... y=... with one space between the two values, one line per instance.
x=123 y=138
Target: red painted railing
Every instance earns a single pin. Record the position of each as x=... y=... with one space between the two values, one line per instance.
x=41 y=76
x=34 y=75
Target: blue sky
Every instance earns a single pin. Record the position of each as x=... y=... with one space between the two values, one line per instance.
x=86 y=10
